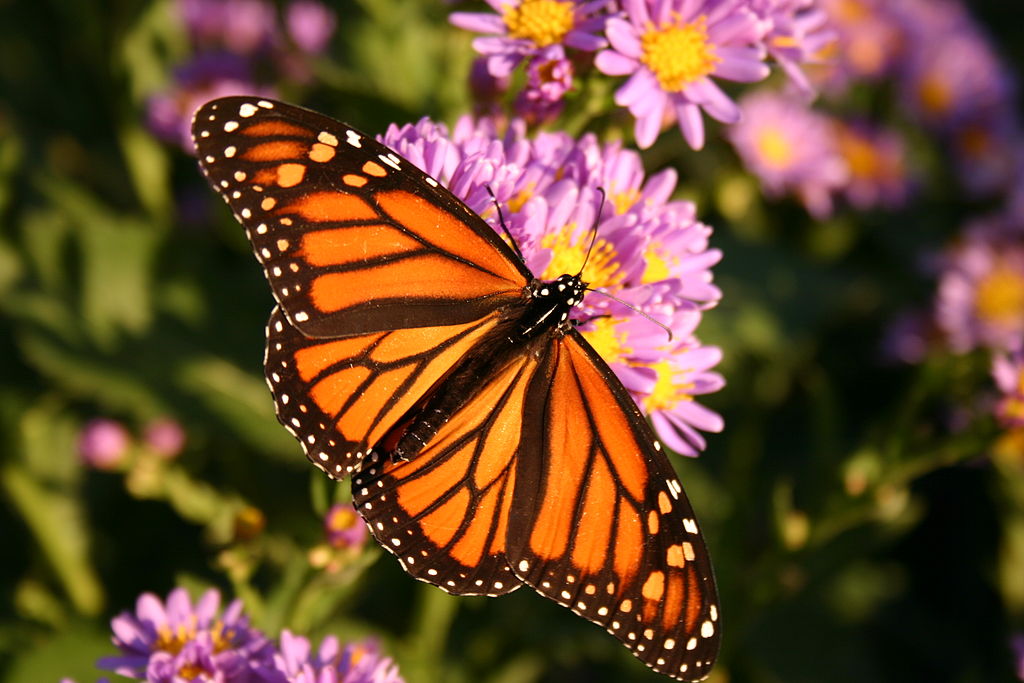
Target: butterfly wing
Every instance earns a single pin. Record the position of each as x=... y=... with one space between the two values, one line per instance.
x=353 y=238
x=384 y=280
x=610 y=533
x=548 y=475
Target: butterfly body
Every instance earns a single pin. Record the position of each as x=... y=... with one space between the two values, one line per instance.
x=488 y=444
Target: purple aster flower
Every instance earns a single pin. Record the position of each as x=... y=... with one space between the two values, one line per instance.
x=790 y=148
x=204 y=78
x=103 y=443
x=344 y=527
x=525 y=28
x=800 y=34
x=180 y=641
x=310 y=25
x=955 y=75
x=649 y=251
x=165 y=437
x=239 y=26
x=671 y=49
x=875 y=158
x=908 y=337
x=548 y=78
x=980 y=299
x=1008 y=373
x=355 y=663
x=869 y=38
x=987 y=150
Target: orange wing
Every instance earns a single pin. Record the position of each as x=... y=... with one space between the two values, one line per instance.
x=548 y=475
x=445 y=513
x=609 y=532
x=353 y=239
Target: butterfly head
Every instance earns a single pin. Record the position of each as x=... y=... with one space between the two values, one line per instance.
x=551 y=302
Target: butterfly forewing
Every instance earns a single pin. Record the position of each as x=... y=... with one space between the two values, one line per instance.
x=352 y=237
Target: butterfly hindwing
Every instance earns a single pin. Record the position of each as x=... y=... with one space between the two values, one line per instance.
x=352 y=238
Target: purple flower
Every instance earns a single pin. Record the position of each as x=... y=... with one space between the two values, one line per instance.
x=204 y=78
x=103 y=443
x=165 y=437
x=955 y=75
x=1017 y=645
x=649 y=251
x=980 y=300
x=671 y=49
x=180 y=641
x=310 y=25
x=800 y=34
x=1008 y=373
x=548 y=79
x=355 y=663
x=239 y=26
x=525 y=28
x=875 y=158
x=344 y=527
x=869 y=39
x=987 y=150
x=790 y=148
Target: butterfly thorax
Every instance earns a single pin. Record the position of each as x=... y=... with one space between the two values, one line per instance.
x=551 y=302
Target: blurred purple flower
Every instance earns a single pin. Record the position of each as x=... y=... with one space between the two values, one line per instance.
x=955 y=76
x=670 y=49
x=790 y=148
x=344 y=527
x=650 y=251
x=239 y=26
x=908 y=337
x=980 y=300
x=987 y=150
x=1017 y=645
x=869 y=42
x=800 y=34
x=526 y=28
x=1008 y=373
x=355 y=663
x=310 y=25
x=548 y=78
x=876 y=161
x=103 y=443
x=206 y=77
x=176 y=641
x=165 y=437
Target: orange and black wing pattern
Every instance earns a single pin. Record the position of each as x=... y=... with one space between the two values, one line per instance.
x=352 y=238
x=548 y=475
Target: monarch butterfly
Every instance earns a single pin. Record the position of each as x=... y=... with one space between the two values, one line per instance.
x=488 y=444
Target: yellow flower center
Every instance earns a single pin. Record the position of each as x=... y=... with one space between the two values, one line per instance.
x=976 y=142
x=678 y=55
x=850 y=11
x=342 y=519
x=624 y=201
x=860 y=154
x=774 y=147
x=935 y=94
x=1000 y=296
x=667 y=394
x=173 y=641
x=659 y=263
x=606 y=339
x=543 y=22
x=601 y=269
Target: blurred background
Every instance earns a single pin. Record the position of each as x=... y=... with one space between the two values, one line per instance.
x=863 y=504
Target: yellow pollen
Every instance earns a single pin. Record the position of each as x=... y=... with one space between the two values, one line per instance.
x=606 y=339
x=624 y=201
x=543 y=22
x=341 y=520
x=515 y=204
x=659 y=263
x=601 y=270
x=775 y=148
x=678 y=55
x=667 y=394
x=850 y=11
x=1000 y=296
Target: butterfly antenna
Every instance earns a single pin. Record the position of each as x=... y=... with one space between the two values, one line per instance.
x=501 y=220
x=633 y=308
x=593 y=232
